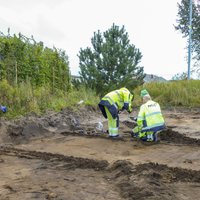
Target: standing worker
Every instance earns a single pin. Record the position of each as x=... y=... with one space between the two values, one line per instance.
x=111 y=104
x=149 y=120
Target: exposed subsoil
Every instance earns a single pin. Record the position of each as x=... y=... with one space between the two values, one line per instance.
x=63 y=156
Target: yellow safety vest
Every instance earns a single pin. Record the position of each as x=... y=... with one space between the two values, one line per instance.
x=150 y=116
x=119 y=98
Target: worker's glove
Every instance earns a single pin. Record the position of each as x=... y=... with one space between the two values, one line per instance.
x=3 y=109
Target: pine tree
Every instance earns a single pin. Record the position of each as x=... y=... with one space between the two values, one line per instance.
x=112 y=62
x=183 y=24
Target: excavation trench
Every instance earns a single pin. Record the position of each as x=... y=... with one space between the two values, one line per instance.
x=62 y=156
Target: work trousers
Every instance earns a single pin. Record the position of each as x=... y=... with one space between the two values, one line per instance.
x=113 y=124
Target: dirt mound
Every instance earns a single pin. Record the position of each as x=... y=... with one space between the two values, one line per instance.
x=167 y=174
x=171 y=136
x=23 y=129
x=150 y=181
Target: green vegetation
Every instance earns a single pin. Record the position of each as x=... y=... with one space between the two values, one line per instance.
x=112 y=63
x=34 y=78
x=183 y=22
x=24 y=99
x=22 y=60
x=184 y=93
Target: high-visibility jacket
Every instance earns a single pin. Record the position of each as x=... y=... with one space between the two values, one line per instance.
x=116 y=101
x=150 y=117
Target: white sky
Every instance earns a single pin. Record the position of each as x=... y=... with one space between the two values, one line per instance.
x=70 y=24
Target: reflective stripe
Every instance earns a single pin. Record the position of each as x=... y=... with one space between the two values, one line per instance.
x=150 y=137
x=155 y=125
x=142 y=118
x=154 y=113
x=113 y=131
x=113 y=103
x=122 y=100
x=119 y=96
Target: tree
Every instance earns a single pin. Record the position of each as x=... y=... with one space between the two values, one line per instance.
x=112 y=63
x=22 y=59
x=183 y=24
x=180 y=76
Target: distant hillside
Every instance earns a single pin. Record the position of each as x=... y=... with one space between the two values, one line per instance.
x=153 y=78
x=148 y=78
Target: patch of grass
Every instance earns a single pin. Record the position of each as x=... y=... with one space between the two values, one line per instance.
x=23 y=99
x=184 y=93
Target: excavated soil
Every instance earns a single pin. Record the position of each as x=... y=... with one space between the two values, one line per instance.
x=62 y=156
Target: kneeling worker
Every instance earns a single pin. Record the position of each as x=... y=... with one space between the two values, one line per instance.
x=149 y=120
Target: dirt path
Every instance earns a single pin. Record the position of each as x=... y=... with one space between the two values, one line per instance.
x=61 y=156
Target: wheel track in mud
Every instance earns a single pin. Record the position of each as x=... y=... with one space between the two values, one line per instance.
x=123 y=174
x=85 y=163
x=72 y=162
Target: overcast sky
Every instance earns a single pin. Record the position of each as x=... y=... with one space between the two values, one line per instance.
x=70 y=24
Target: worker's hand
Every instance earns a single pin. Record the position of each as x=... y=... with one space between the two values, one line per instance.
x=3 y=109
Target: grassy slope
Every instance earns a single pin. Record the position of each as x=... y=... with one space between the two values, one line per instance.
x=175 y=93
x=24 y=99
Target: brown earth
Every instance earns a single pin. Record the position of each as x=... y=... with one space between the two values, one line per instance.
x=62 y=156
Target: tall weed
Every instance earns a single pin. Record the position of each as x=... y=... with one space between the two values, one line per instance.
x=23 y=99
x=184 y=93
